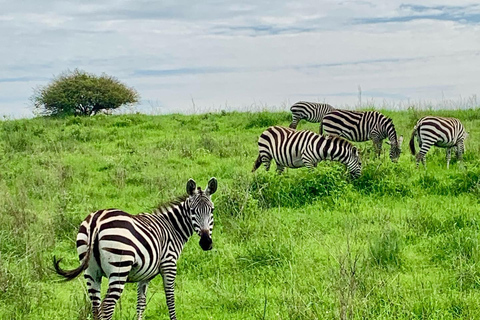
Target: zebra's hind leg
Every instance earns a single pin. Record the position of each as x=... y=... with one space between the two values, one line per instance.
x=266 y=162
x=420 y=157
x=94 y=284
x=262 y=158
x=460 y=151
x=141 y=298
x=116 y=283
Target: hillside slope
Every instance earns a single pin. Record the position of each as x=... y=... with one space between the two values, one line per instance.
x=397 y=243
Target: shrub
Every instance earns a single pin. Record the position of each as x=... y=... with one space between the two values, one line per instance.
x=299 y=188
x=81 y=93
x=385 y=179
x=266 y=119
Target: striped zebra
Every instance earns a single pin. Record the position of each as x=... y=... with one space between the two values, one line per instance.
x=295 y=149
x=441 y=132
x=136 y=248
x=362 y=126
x=310 y=111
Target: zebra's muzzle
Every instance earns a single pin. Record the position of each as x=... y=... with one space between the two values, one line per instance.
x=205 y=241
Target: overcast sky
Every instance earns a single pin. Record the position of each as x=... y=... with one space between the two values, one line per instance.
x=245 y=54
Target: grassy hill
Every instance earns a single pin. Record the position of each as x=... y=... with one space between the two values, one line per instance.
x=397 y=243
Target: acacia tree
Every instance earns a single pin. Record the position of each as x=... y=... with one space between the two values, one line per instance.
x=80 y=93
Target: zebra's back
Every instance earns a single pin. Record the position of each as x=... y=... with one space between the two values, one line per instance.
x=123 y=243
x=442 y=131
x=286 y=145
x=348 y=124
x=310 y=111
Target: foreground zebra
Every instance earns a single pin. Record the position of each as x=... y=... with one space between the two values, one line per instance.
x=310 y=111
x=295 y=149
x=362 y=126
x=136 y=248
x=441 y=132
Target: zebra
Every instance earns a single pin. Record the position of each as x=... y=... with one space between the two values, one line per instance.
x=295 y=149
x=136 y=248
x=310 y=111
x=441 y=132
x=361 y=126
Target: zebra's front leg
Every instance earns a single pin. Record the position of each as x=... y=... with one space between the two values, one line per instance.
x=309 y=162
x=377 y=145
x=448 y=156
x=141 y=298
x=169 y=271
x=94 y=284
x=280 y=169
x=294 y=123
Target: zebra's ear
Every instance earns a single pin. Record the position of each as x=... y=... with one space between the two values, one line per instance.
x=191 y=186
x=212 y=186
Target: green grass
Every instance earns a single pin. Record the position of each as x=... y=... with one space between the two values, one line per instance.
x=397 y=243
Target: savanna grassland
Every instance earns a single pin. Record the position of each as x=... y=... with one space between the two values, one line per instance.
x=397 y=243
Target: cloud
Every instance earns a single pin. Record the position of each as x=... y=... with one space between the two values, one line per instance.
x=182 y=71
x=467 y=14
x=217 y=52
x=22 y=79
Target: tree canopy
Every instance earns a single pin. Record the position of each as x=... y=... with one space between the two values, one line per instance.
x=80 y=93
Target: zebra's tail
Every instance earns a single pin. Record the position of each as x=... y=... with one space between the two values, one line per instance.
x=69 y=274
x=257 y=163
x=72 y=274
x=412 y=141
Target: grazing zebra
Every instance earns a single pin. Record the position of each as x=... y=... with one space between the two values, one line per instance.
x=362 y=126
x=295 y=149
x=136 y=248
x=441 y=132
x=310 y=111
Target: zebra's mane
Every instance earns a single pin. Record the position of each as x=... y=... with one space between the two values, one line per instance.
x=335 y=137
x=389 y=121
x=340 y=140
x=175 y=202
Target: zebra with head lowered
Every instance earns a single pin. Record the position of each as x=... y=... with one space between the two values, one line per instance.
x=310 y=111
x=441 y=132
x=362 y=126
x=295 y=149
x=136 y=248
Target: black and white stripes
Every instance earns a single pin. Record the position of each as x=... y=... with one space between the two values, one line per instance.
x=310 y=111
x=362 y=126
x=441 y=132
x=294 y=149
x=136 y=248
